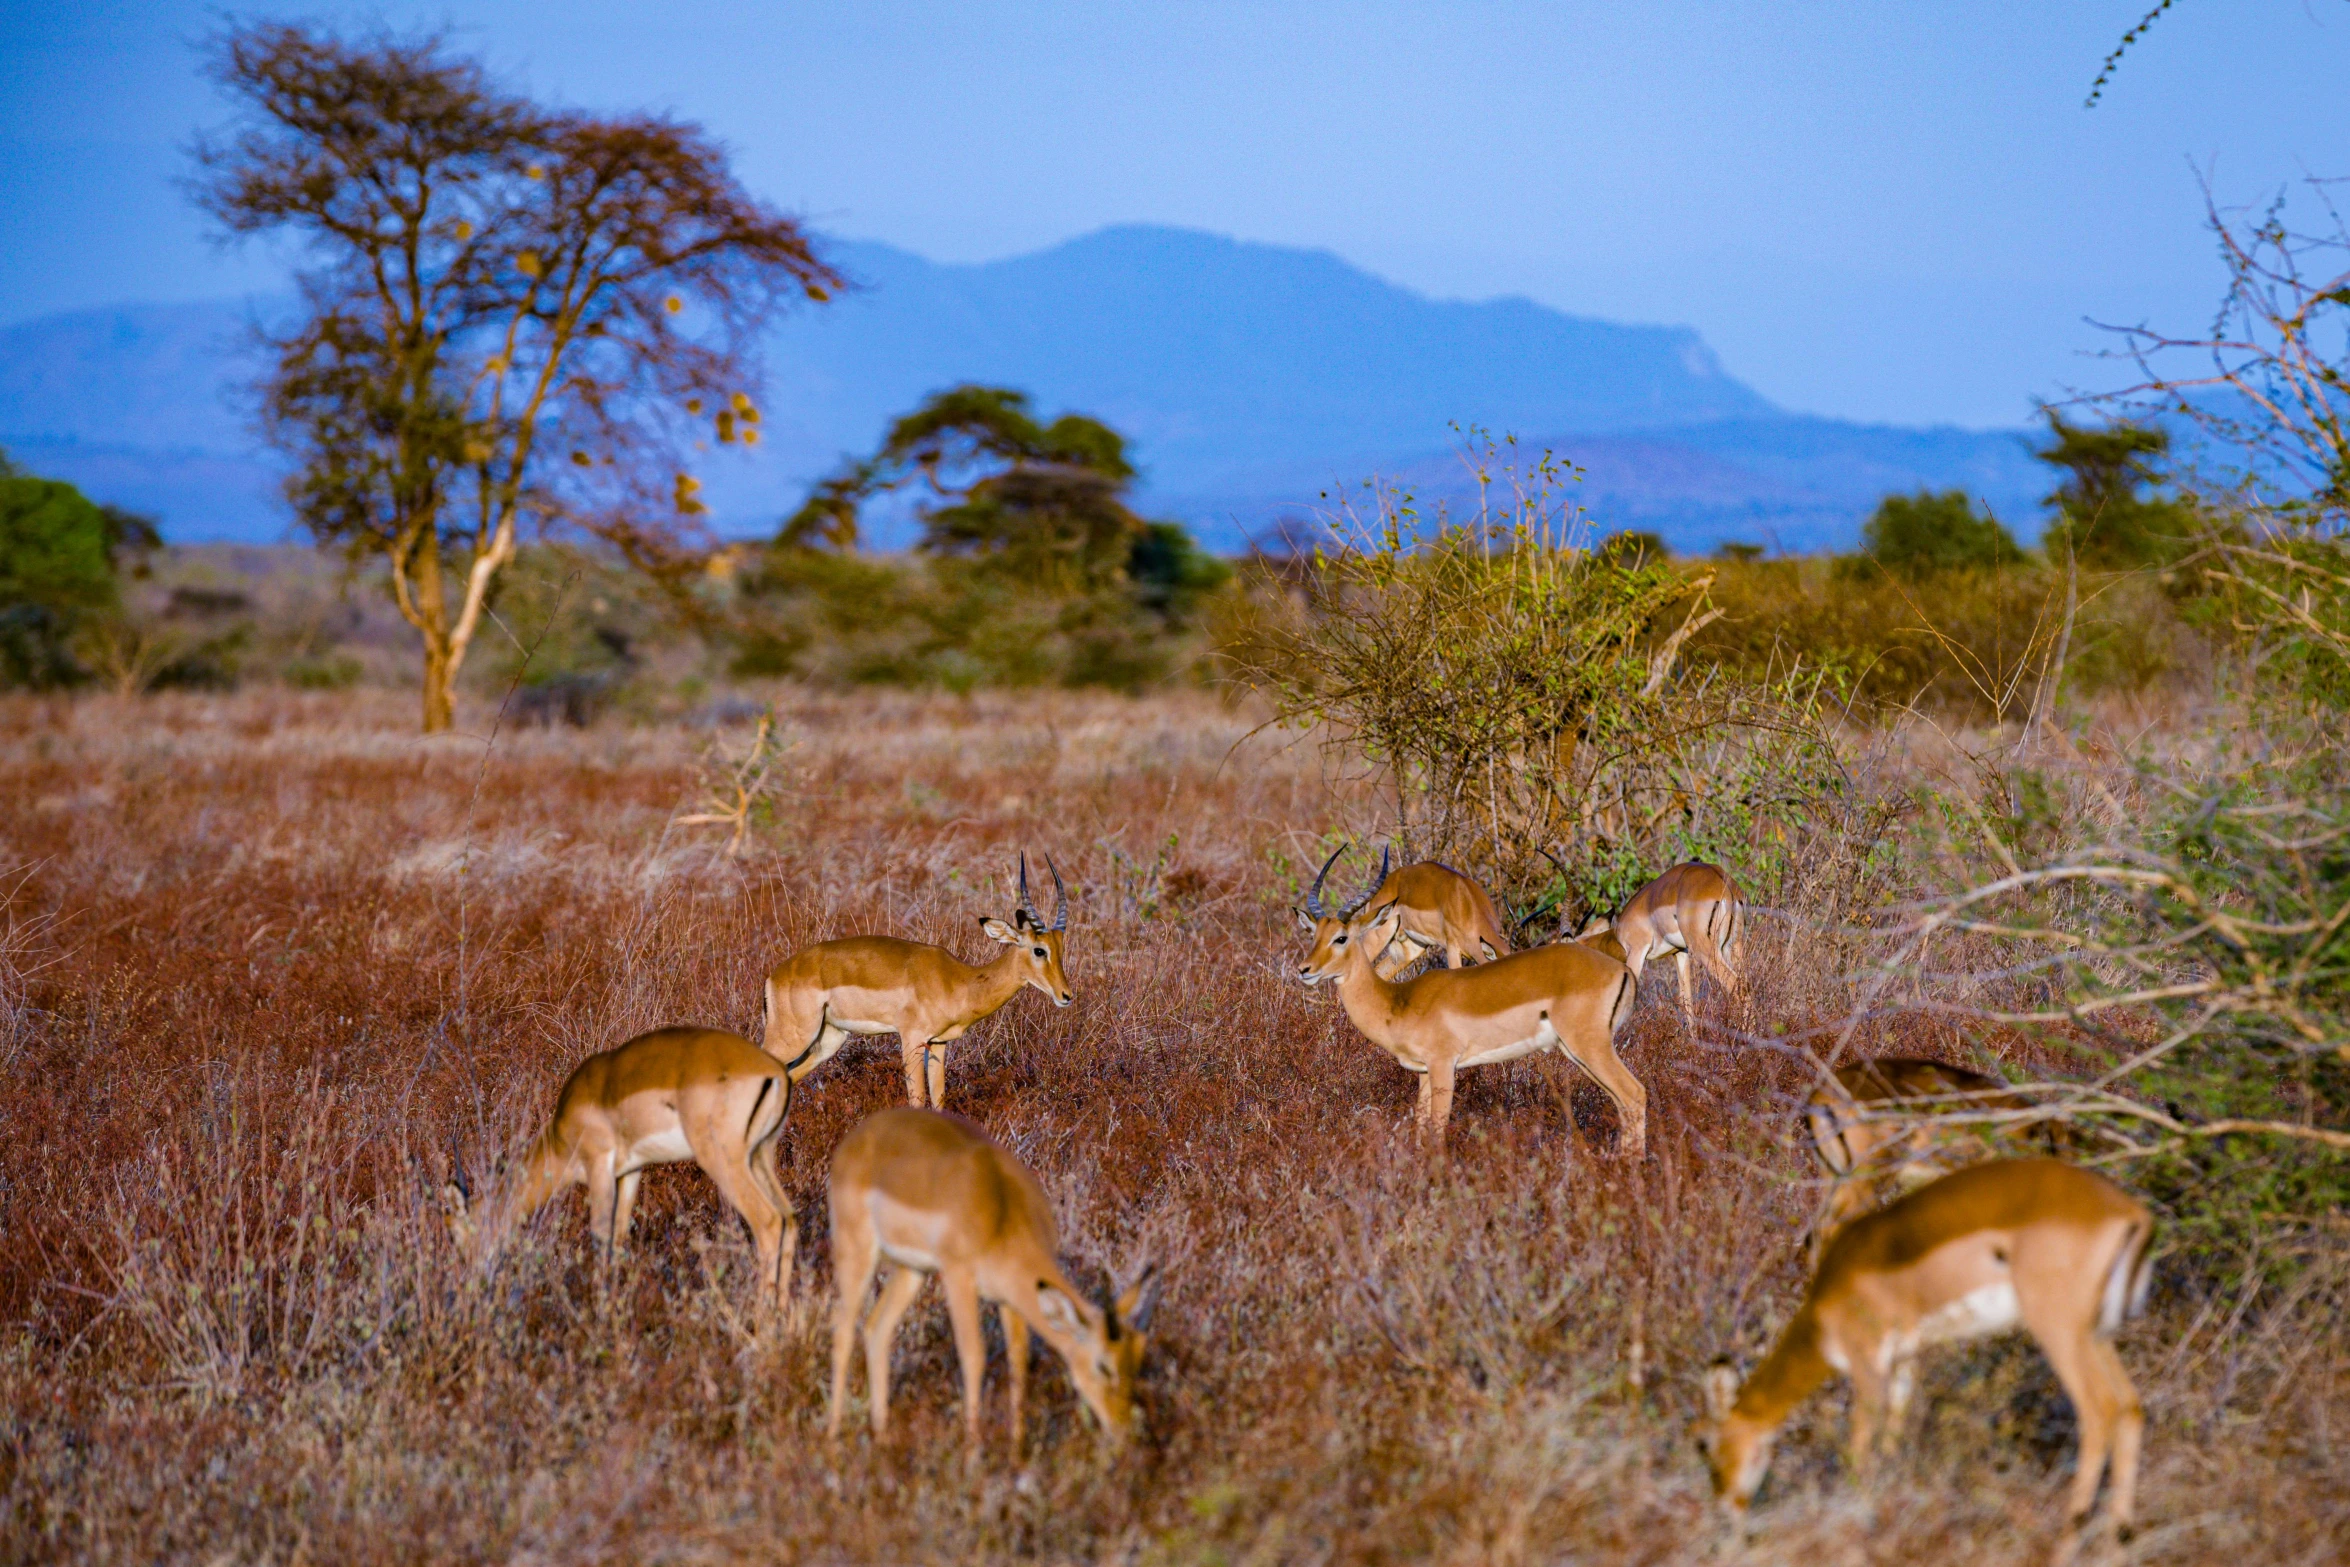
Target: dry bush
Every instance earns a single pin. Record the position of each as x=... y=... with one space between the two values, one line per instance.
x=1515 y=700
x=298 y=951
x=1967 y=644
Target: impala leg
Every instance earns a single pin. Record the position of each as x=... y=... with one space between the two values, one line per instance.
x=1688 y=998
x=624 y=1209
x=854 y=1257
x=1870 y=1397
x=742 y=1190
x=2072 y=1352
x=763 y=1171
x=1607 y=1069
x=1439 y=1086
x=912 y=1044
x=934 y=1056
x=962 y=1292
x=881 y=1331
x=2129 y=1432
x=1422 y=1106
x=603 y=1188
x=1016 y=1357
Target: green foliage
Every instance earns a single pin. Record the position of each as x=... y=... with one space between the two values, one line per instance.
x=1035 y=570
x=1634 y=547
x=950 y=623
x=56 y=571
x=1170 y=574
x=2102 y=518
x=1975 y=644
x=1044 y=504
x=1918 y=536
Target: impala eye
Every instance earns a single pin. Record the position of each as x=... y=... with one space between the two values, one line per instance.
x=1039 y=951
x=1338 y=941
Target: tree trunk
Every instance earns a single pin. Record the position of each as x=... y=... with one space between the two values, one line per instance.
x=440 y=687
x=431 y=618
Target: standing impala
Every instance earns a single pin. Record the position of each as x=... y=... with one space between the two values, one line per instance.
x=1438 y=907
x=925 y=995
x=661 y=1098
x=1692 y=908
x=928 y=1193
x=1563 y=997
x=2033 y=1243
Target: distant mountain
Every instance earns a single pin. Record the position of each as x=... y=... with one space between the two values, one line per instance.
x=1250 y=378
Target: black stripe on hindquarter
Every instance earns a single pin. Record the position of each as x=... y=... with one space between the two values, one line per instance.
x=1622 y=1009
x=752 y=1125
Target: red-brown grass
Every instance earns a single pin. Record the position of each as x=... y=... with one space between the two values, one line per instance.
x=276 y=962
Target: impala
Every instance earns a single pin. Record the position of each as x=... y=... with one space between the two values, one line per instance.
x=1439 y=907
x=927 y=1192
x=1565 y=997
x=923 y=994
x=2035 y=1243
x=1692 y=908
x=661 y=1098
x=1870 y=1124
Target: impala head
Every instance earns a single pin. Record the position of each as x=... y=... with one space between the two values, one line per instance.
x=1103 y=1345
x=1737 y=1449
x=1336 y=931
x=1038 y=944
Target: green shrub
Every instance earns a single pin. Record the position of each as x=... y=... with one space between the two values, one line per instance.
x=324 y=672
x=55 y=571
x=1917 y=536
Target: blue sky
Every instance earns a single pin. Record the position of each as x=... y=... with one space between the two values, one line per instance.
x=1884 y=211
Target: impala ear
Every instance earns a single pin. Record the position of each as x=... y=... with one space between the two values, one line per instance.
x=457 y=1213
x=1058 y=1309
x=999 y=931
x=1141 y=1300
x=1305 y=921
x=1721 y=1390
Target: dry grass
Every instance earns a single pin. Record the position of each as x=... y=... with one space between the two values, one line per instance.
x=275 y=954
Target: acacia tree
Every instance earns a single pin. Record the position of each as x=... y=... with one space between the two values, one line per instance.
x=511 y=314
x=1044 y=502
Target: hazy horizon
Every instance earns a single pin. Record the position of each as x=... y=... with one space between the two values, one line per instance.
x=1897 y=214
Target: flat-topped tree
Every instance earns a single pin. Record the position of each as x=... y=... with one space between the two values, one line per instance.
x=510 y=313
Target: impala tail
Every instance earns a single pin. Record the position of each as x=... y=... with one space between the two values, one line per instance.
x=2127 y=1282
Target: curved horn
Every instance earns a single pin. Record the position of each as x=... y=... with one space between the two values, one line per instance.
x=1024 y=906
x=1377 y=882
x=1060 y=896
x=1314 y=905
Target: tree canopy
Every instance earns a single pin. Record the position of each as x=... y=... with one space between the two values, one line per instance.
x=1047 y=503
x=1918 y=535
x=2102 y=518
x=511 y=312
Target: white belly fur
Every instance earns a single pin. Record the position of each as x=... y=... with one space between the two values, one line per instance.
x=1544 y=1037
x=664 y=1147
x=1989 y=1308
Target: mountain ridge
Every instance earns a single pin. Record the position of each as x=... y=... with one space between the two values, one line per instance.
x=1247 y=376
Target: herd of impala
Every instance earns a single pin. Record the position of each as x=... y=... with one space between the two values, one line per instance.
x=1925 y=1238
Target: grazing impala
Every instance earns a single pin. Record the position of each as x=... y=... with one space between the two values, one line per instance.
x=1564 y=997
x=1438 y=907
x=2033 y=1243
x=1692 y=908
x=923 y=994
x=662 y=1098
x=1871 y=1125
x=927 y=1192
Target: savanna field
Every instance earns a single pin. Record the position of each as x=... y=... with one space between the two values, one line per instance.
x=274 y=965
